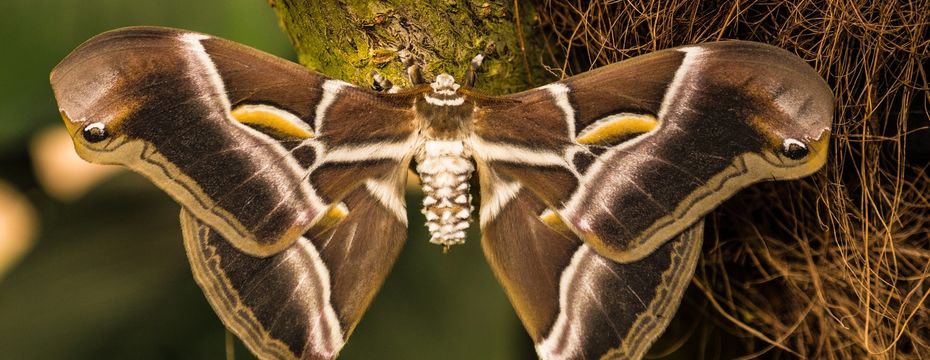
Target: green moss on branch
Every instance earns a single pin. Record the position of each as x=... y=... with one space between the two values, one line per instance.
x=347 y=39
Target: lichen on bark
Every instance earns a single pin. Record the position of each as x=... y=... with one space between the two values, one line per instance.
x=347 y=39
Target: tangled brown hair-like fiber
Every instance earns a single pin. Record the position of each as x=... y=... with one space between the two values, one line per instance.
x=834 y=266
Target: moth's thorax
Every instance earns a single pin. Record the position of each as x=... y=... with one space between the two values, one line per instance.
x=444 y=113
x=444 y=161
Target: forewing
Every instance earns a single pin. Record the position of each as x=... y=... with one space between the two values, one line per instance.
x=303 y=302
x=256 y=147
x=632 y=154
x=577 y=304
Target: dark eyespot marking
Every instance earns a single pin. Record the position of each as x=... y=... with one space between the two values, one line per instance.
x=95 y=132
x=582 y=161
x=598 y=150
x=794 y=150
x=305 y=155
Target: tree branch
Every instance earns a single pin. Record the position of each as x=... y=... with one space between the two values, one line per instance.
x=347 y=39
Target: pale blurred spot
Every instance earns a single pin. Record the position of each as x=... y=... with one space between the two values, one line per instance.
x=413 y=182
x=18 y=225
x=62 y=174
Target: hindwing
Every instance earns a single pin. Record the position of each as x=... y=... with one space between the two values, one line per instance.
x=303 y=302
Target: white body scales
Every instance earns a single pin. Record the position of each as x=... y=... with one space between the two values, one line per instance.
x=444 y=162
x=445 y=168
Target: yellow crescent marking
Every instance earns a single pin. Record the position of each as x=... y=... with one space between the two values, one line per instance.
x=555 y=222
x=615 y=127
x=269 y=117
x=333 y=217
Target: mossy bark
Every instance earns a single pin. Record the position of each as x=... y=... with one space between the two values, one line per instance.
x=347 y=39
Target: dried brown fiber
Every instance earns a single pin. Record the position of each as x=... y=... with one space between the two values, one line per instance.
x=835 y=266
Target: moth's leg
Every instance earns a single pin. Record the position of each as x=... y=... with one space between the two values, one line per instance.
x=471 y=74
x=412 y=68
x=382 y=84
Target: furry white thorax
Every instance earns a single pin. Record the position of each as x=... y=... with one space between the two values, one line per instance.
x=445 y=167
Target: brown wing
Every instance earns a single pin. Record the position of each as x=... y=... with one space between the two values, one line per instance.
x=231 y=133
x=290 y=183
x=593 y=188
x=577 y=304
x=303 y=302
x=632 y=154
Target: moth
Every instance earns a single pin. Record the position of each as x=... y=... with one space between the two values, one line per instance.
x=592 y=189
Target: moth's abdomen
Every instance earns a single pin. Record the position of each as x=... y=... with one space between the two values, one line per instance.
x=444 y=168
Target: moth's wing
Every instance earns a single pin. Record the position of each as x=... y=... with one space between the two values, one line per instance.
x=632 y=154
x=231 y=133
x=303 y=302
x=574 y=303
x=291 y=183
x=196 y=115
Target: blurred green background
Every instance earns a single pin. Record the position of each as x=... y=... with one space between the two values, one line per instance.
x=107 y=276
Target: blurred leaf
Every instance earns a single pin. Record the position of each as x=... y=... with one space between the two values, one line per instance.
x=108 y=278
x=38 y=34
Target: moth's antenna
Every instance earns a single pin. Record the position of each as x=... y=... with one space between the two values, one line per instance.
x=471 y=74
x=412 y=68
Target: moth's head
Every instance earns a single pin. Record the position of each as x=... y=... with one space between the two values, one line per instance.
x=444 y=84
x=107 y=83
